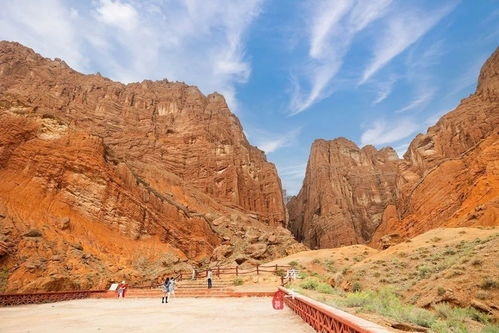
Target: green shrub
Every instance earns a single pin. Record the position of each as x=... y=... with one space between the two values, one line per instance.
x=316 y=261
x=441 y=291
x=309 y=284
x=455 y=315
x=238 y=281
x=293 y=263
x=280 y=272
x=325 y=288
x=489 y=283
x=424 y=272
x=490 y=329
x=356 y=286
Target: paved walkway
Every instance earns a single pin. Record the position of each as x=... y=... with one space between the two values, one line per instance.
x=149 y=315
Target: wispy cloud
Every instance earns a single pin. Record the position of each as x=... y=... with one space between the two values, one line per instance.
x=384 y=89
x=422 y=99
x=292 y=177
x=382 y=132
x=334 y=26
x=199 y=42
x=403 y=30
x=270 y=142
x=402 y=148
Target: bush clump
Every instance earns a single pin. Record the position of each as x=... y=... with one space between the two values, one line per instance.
x=489 y=283
x=325 y=288
x=238 y=281
x=310 y=284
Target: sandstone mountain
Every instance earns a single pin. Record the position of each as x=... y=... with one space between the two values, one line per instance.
x=448 y=177
x=102 y=181
x=344 y=193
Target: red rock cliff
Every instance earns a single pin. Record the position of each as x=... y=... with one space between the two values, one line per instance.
x=101 y=181
x=448 y=177
x=344 y=193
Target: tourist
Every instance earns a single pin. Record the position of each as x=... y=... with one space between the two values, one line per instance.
x=193 y=274
x=173 y=283
x=122 y=289
x=166 y=287
x=208 y=277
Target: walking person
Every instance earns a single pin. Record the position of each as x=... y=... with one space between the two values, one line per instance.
x=166 y=292
x=208 y=277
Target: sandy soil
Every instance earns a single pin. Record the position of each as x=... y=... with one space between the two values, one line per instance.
x=149 y=315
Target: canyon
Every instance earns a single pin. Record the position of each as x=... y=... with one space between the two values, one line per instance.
x=449 y=177
x=102 y=181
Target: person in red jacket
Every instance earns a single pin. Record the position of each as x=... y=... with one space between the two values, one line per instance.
x=123 y=286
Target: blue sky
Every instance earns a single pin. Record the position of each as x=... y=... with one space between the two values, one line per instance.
x=377 y=72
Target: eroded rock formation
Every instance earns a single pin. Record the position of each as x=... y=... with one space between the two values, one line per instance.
x=101 y=181
x=344 y=193
x=448 y=177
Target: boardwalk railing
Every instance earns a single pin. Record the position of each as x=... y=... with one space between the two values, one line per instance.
x=326 y=319
x=49 y=297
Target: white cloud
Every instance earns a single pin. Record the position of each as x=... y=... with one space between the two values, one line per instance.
x=334 y=26
x=421 y=100
x=292 y=177
x=270 y=142
x=401 y=149
x=382 y=132
x=45 y=26
x=198 y=42
x=403 y=30
x=122 y=15
x=384 y=89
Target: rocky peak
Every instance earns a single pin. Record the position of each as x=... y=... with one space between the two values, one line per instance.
x=488 y=81
x=344 y=193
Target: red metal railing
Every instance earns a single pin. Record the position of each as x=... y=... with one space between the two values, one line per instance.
x=34 y=298
x=324 y=318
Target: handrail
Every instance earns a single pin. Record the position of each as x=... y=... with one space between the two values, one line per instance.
x=218 y=271
x=44 y=297
x=325 y=318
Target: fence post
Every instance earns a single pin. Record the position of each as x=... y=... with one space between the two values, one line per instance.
x=237 y=271
x=276 y=268
x=257 y=271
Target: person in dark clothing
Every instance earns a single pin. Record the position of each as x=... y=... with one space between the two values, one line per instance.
x=166 y=290
x=208 y=277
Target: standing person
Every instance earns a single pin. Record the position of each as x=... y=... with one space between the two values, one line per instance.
x=166 y=287
x=193 y=274
x=173 y=283
x=208 y=277
x=122 y=289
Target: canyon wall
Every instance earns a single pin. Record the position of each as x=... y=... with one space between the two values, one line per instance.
x=448 y=177
x=344 y=193
x=101 y=181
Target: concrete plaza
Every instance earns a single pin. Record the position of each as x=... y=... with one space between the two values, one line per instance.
x=248 y=314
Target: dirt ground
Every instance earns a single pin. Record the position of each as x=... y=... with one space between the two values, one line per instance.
x=149 y=315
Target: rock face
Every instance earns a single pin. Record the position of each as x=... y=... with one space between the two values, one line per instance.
x=116 y=177
x=344 y=194
x=448 y=177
